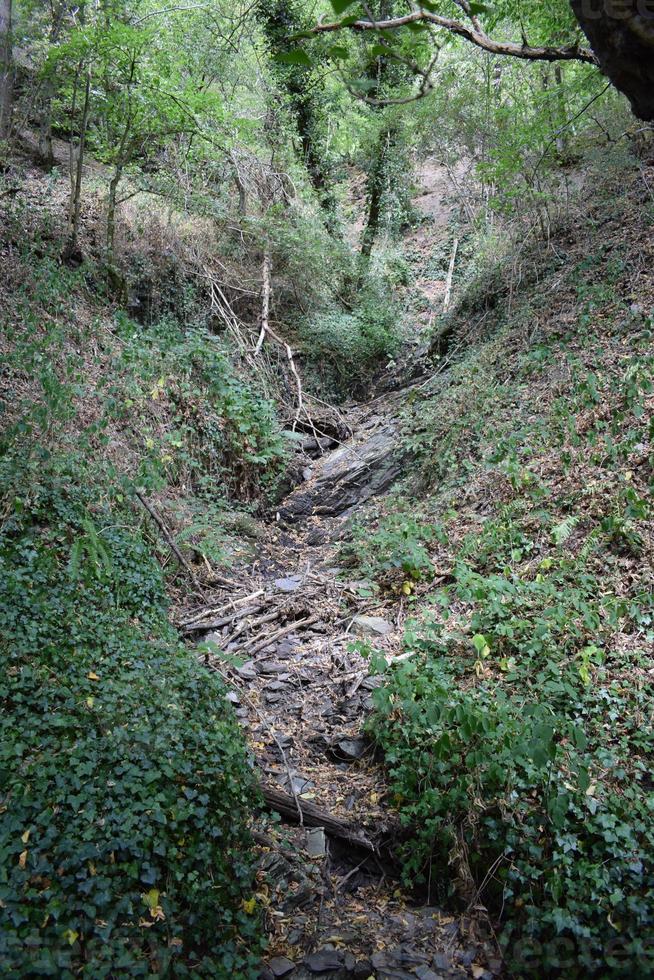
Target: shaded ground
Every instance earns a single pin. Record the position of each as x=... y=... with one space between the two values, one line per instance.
x=303 y=690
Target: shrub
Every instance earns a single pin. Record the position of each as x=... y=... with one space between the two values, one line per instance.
x=347 y=348
x=396 y=553
x=124 y=848
x=516 y=749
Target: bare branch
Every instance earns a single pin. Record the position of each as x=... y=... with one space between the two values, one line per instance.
x=167 y=10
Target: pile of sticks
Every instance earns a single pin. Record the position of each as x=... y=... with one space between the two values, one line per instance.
x=247 y=620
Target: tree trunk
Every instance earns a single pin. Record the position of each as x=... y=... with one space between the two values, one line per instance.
x=6 y=68
x=375 y=192
x=374 y=215
x=621 y=33
x=76 y=169
x=46 y=154
x=563 y=139
x=111 y=212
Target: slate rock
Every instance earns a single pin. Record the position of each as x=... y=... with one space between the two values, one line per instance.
x=303 y=896
x=281 y=966
x=289 y=584
x=316 y=842
x=276 y=686
x=351 y=474
x=362 y=969
x=349 y=962
x=349 y=749
x=324 y=961
x=404 y=956
x=441 y=962
x=371 y=626
x=424 y=973
x=247 y=671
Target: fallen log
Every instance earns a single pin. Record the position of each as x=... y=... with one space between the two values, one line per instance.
x=312 y=816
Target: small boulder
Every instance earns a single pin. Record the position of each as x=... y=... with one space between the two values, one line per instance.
x=324 y=961
x=289 y=584
x=281 y=966
x=371 y=626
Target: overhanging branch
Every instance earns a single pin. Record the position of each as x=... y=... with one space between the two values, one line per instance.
x=473 y=33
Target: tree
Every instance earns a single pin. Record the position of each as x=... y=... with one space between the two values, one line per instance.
x=302 y=82
x=622 y=36
x=6 y=68
x=621 y=33
x=48 y=85
x=385 y=71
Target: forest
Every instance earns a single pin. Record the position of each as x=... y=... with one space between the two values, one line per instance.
x=326 y=471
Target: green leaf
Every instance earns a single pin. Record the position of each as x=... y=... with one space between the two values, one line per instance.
x=297 y=57
x=338 y=53
x=340 y=6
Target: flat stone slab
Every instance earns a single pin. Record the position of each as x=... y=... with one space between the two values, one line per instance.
x=348 y=476
x=281 y=966
x=324 y=961
x=371 y=626
x=289 y=584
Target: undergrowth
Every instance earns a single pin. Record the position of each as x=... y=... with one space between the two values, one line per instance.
x=126 y=792
x=126 y=787
x=518 y=729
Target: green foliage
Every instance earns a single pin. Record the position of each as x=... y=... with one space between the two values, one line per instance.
x=504 y=737
x=220 y=428
x=348 y=348
x=126 y=790
x=551 y=810
x=396 y=551
x=518 y=734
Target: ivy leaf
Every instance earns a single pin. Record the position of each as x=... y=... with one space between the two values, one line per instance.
x=151 y=898
x=296 y=57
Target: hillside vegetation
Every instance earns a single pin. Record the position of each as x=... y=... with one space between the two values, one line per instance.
x=517 y=727
x=326 y=398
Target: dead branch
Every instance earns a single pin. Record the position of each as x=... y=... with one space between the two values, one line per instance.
x=267 y=640
x=170 y=541
x=215 y=624
x=218 y=610
x=265 y=301
x=312 y=816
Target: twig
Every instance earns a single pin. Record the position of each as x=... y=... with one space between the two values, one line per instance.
x=168 y=538
x=265 y=302
x=217 y=610
x=215 y=624
x=450 y=276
